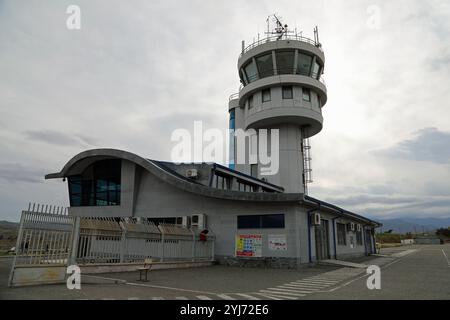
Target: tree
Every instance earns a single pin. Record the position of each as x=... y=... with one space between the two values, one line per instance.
x=443 y=232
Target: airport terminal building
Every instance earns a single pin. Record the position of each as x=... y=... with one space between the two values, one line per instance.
x=254 y=218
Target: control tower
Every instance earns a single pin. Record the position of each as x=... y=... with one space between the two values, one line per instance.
x=281 y=88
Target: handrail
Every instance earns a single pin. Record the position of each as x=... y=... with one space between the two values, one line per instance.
x=285 y=37
x=234 y=96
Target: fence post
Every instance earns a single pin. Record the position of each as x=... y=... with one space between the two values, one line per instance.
x=123 y=241
x=72 y=259
x=193 y=244
x=213 y=240
x=162 y=244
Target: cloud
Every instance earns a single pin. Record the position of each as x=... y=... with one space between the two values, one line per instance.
x=136 y=71
x=429 y=144
x=60 y=138
x=16 y=172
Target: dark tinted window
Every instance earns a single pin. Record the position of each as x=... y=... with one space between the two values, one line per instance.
x=98 y=185
x=285 y=62
x=266 y=95
x=265 y=65
x=287 y=92
x=261 y=221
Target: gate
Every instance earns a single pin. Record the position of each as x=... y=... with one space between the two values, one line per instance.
x=49 y=240
x=43 y=246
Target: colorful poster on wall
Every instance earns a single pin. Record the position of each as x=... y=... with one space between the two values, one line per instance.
x=277 y=242
x=248 y=245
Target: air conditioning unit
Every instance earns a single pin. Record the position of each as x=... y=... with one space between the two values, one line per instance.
x=351 y=226
x=192 y=173
x=358 y=227
x=183 y=221
x=316 y=219
x=199 y=221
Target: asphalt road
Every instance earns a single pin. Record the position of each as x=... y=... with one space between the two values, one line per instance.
x=413 y=272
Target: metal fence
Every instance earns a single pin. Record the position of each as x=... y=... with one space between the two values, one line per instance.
x=121 y=240
x=49 y=240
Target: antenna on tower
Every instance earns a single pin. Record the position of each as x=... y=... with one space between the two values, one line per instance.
x=279 y=30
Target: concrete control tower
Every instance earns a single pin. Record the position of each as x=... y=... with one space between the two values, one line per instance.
x=281 y=88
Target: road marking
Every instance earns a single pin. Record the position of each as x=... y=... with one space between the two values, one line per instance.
x=301 y=287
x=204 y=298
x=247 y=296
x=225 y=297
x=321 y=282
x=181 y=298
x=278 y=293
x=133 y=298
x=271 y=297
x=288 y=289
x=157 y=298
x=445 y=255
x=168 y=288
x=290 y=286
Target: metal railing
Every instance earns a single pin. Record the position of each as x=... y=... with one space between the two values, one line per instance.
x=277 y=38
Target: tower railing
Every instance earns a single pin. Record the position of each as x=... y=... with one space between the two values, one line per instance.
x=277 y=38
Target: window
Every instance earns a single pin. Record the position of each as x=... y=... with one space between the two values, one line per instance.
x=359 y=238
x=251 y=72
x=98 y=185
x=341 y=234
x=265 y=65
x=265 y=221
x=254 y=170
x=287 y=92
x=285 y=62
x=306 y=94
x=315 y=70
x=304 y=64
x=232 y=137
x=266 y=95
x=250 y=102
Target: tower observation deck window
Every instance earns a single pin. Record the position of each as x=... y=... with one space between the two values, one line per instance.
x=315 y=70
x=306 y=94
x=287 y=92
x=98 y=185
x=265 y=65
x=251 y=72
x=250 y=102
x=285 y=62
x=266 y=95
x=304 y=64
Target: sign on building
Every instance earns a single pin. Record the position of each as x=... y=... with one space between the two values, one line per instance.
x=277 y=242
x=248 y=245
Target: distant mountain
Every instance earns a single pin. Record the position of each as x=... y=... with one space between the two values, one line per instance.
x=413 y=225
x=8 y=225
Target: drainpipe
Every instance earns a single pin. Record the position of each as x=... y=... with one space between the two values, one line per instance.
x=334 y=234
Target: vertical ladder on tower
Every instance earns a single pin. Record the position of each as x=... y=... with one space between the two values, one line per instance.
x=307 y=171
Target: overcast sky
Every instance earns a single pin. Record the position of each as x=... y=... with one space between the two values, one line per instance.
x=137 y=70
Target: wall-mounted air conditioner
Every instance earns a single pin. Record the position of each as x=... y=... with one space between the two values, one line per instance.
x=316 y=219
x=351 y=226
x=199 y=221
x=184 y=221
x=192 y=173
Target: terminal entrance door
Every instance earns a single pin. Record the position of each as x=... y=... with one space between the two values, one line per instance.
x=322 y=240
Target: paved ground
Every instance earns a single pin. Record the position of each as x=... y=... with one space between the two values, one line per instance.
x=413 y=272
